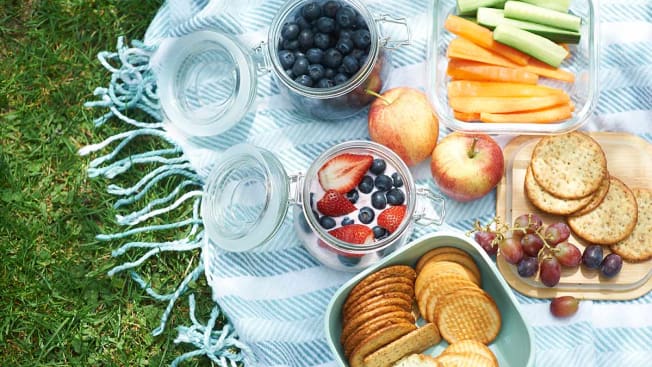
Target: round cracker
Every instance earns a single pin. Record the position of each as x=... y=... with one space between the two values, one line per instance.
x=463 y=259
x=471 y=346
x=393 y=271
x=377 y=340
x=468 y=314
x=549 y=203
x=432 y=269
x=596 y=198
x=378 y=287
x=366 y=330
x=359 y=322
x=569 y=166
x=373 y=301
x=638 y=245
x=612 y=221
x=439 y=250
x=366 y=316
x=465 y=359
x=443 y=288
x=382 y=290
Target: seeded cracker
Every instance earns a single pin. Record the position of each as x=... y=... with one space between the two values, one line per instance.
x=612 y=221
x=638 y=246
x=548 y=202
x=596 y=198
x=569 y=166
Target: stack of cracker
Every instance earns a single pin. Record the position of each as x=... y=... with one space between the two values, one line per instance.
x=378 y=323
x=568 y=176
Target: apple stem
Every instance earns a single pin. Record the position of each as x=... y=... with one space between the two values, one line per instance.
x=370 y=92
x=472 y=151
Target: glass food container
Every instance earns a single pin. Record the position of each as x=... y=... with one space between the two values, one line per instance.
x=207 y=80
x=583 y=63
x=248 y=193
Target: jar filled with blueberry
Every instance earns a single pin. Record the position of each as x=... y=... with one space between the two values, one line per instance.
x=326 y=54
x=356 y=203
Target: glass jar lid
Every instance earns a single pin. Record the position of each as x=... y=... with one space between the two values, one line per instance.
x=245 y=198
x=206 y=82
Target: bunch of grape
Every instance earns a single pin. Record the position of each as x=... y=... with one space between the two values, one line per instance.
x=535 y=248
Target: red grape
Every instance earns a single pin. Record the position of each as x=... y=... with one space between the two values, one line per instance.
x=532 y=243
x=528 y=266
x=611 y=265
x=531 y=222
x=550 y=271
x=517 y=235
x=592 y=256
x=511 y=250
x=568 y=254
x=564 y=306
x=485 y=240
x=556 y=233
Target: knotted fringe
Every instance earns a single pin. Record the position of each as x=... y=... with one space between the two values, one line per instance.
x=133 y=87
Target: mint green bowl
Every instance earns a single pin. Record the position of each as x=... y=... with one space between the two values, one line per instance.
x=514 y=346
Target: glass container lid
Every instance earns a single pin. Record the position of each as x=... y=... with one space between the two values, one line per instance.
x=206 y=82
x=245 y=198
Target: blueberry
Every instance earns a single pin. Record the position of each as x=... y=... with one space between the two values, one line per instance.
x=316 y=71
x=332 y=58
x=315 y=55
x=395 y=197
x=397 y=179
x=306 y=38
x=330 y=8
x=327 y=222
x=322 y=40
x=348 y=260
x=340 y=78
x=345 y=34
x=366 y=185
x=361 y=38
x=286 y=58
x=366 y=215
x=302 y=22
x=382 y=182
x=304 y=80
x=345 y=17
x=311 y=11
x=325 y=83
x=290 y=45
x=378 y=200
x=378 y=166
x=358 y=54
x=350 y=64
x=290 y=31
x=379 y=232
x=326 y=25
x=353 y=196
x=346 y=221
x=360 y=23
x=329 y=73
x=290 y=73
x=298 y=54
x=344 y=45
x=300 y=66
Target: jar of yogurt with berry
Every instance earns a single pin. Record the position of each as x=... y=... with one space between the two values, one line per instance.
x=356 y=203
x=323 y=55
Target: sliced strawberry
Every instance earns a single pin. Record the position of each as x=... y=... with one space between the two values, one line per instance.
x=334 y=204
x=392 y=217
x=344 y=172
x=357 y=234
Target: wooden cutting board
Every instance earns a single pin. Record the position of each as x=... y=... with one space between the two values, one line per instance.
x=629 y=158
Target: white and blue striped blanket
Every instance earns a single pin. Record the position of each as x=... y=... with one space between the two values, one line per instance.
x=275 y=297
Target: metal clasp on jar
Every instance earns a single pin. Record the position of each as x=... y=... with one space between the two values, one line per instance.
x=431 y=209
x=262 y=58
x=386 y=41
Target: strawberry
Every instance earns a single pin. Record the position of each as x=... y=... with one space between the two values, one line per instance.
x=354 y=233
x=392 y=217
x=344 y=172
x=334 y=204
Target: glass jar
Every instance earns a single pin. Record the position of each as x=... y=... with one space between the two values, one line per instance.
x=248 y=193
x=207 y=80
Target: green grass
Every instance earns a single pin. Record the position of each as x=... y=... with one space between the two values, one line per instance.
x=58 y=306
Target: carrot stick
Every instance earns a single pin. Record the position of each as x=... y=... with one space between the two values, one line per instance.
x=470 y=70
x=465 y=116
x=468 y=88
x=483 y=37
x=461 y=48
x=506 y=104
x=565 y=45
x=544 y=116
x=543 y=69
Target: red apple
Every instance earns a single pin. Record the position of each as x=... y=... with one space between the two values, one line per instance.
x=467 y=166
x=402 y=120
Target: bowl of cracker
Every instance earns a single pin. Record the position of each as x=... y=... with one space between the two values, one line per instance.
x=438 y=301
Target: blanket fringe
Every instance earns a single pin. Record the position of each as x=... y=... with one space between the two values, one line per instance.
x=133 y=87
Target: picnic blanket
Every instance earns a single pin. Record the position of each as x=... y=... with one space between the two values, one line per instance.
x=275 y=297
